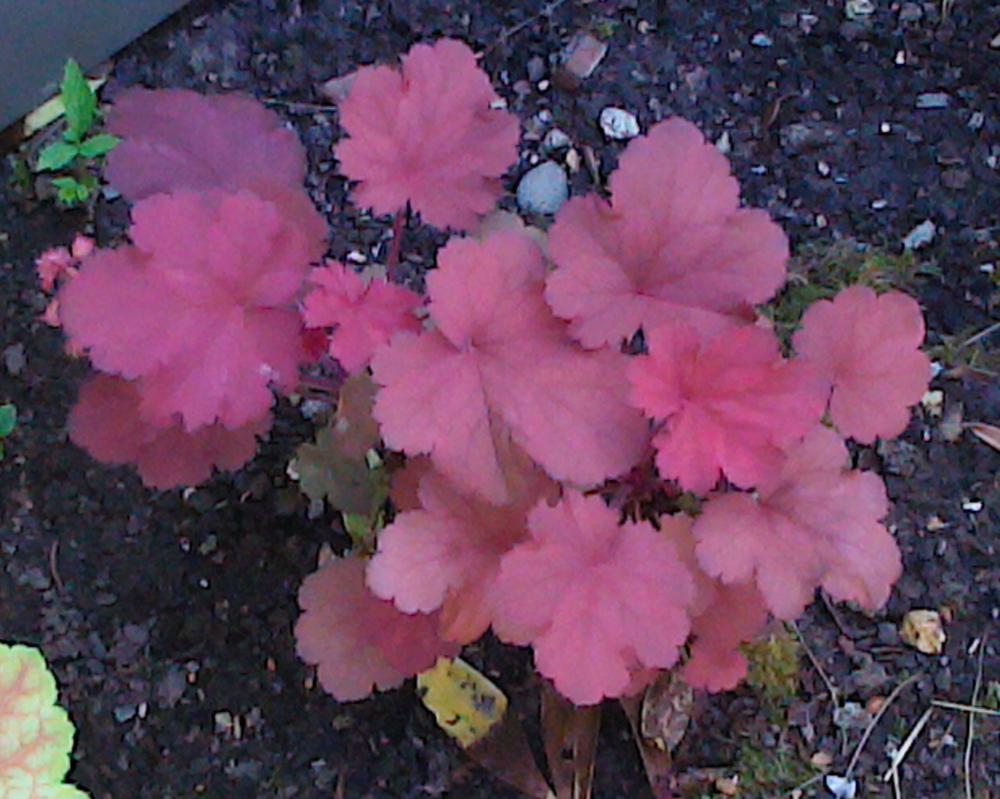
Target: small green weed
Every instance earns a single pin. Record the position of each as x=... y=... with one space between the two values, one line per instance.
x=8 y=420
x=79 y=147
x=820 y=271
x=774 y=668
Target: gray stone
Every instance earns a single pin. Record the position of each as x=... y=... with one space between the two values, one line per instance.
x=761 y=39
x=543 y=189
x=922 y=235
x=555 y=139
x=619 y=124
x=933 y=100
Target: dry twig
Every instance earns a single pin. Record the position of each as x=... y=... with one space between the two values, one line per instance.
x=967 y=760
x=874 y=722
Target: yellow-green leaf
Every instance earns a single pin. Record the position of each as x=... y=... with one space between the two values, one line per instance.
x=465 y=703
x=36 y=735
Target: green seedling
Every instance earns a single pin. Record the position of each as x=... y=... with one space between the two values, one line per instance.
x=79 y=146
x=8 y=420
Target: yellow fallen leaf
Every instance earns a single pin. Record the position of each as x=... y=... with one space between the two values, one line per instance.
x=466 y=703
x=923 y=630
x=49 y=111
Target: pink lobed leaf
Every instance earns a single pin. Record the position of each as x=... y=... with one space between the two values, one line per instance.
x=108 y=423
x=867 y=345
x=179 y=139
x=816 y=524
x=364 y=315
x=728 y=405
x=358 y=641
x=598 y=601
x=673 y=244
x=427 y=134
x=446 y=554
x=499 y=364
x=201 y=307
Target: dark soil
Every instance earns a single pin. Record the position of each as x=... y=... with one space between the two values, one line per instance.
x=167 y=616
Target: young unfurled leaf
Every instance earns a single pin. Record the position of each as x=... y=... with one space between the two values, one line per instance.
x=37 y=733
x=465 y=702
x=96 y=146
x=330 y=469
x=79 y=100
x=570 y=736
x=364 y=314
x=56 y=156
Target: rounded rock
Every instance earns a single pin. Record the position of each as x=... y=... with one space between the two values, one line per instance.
x=543 y=189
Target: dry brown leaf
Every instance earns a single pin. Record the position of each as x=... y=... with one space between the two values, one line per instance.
x=657 y=763
x=987 y=433
x=924 y=631
x=505 y=753
x=570 y=736
x=666 y=711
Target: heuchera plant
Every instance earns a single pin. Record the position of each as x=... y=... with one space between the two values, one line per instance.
x=619 y=513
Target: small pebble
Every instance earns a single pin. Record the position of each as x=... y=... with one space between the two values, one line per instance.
x=761 y=39
x=724 y=143
x=977 y=120
x=554 y=140
x=823 y=168
x=543 y=189
x=933 y=100
x=859 y=9
x=922 y=235
x=619 y=124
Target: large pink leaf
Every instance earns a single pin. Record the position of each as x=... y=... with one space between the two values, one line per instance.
x=673 y=244
x=500 y=364
x=358 y=641
x=816 y=524
x=427 y=133
x=201 y=307
x=728 y=406
x=364 y=315
x=107 y=422
x=868 y=347
x=179 y=139
x=598 y=601
x=447 y=553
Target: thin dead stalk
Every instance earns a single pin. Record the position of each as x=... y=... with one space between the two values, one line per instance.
x=874 y=722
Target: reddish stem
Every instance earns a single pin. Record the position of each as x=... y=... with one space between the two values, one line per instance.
x=392 y=262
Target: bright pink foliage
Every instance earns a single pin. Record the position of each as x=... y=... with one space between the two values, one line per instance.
x=597 y=600
x=179 y=139
x=499 y=363
x=816 y=524
x=201 y=308
x=447 y=554
x=728 y=405
x=426 y=133
x=106 y=421
x=357 y=640
x=673 y=244
x=365 y=315
x=722 y=617
x=867 y=346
